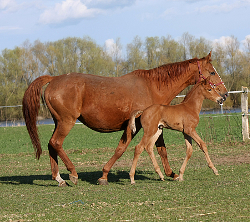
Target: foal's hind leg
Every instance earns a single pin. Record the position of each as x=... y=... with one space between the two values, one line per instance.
x=138 y=150
x=150 y=151
x=55 y=148
x=189 y=151
x=161 y=148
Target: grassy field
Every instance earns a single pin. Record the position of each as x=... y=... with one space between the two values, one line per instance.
x=29 y=194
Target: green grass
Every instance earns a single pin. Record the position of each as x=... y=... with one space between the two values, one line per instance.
x=29 y=194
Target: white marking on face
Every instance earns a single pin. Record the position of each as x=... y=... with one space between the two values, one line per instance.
x=219 y=76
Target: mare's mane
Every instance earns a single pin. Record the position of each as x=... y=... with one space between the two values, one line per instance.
x=168 y=73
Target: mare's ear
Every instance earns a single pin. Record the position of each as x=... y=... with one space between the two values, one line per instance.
x=208 y=57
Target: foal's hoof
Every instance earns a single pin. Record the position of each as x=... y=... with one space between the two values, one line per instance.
x=63 y=184
x=103 y=182
x=73 y=179
x=216 y=172
x=176 y=178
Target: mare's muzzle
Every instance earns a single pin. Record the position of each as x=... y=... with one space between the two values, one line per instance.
x=225 y=96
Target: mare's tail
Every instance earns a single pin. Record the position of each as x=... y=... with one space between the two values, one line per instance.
x=131 y=122
x=31 y=106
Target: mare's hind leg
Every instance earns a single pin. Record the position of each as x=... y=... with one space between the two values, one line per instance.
x=122 y=146
x=150 y=151
x=54 y=163
x=55 y=148
x=203 y=147
x=189 y=151
x=54 y=167
x=161 y=148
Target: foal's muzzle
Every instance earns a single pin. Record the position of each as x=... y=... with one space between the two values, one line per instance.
x=221 y=100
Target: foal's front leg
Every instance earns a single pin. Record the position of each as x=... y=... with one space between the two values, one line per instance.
x=203 y=147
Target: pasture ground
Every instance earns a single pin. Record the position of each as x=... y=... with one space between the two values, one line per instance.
x=27 y=192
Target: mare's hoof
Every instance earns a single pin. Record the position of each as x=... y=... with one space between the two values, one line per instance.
x=73 y=179
x=63 y=184
x=103 y=182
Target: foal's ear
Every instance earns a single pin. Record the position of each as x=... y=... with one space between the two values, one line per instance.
x=207 y=80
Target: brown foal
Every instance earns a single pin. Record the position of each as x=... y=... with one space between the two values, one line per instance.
x=183 y=117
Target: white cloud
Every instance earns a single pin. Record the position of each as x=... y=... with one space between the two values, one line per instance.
x=222 y=41
x=246 y=42
x=67 y=10
x=109 y=3
x=109 y=43
x=8 y=5
x=112 y=48
x=169 y=12
x=227 y=6
x=9 y=28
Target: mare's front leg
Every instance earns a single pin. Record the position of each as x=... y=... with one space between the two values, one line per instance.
x=55 y=148
x=189 y=151
x=161 y=148
x=122 y=146
x=203 y=147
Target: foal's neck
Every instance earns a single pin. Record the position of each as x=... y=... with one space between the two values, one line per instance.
x=194 y=99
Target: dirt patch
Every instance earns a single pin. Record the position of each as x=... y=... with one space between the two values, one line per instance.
x=232 y=160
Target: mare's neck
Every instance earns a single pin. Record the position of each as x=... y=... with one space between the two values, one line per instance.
x=169 y=90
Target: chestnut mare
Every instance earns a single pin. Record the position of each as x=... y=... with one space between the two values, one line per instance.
x=183 y=117
x=105 y=104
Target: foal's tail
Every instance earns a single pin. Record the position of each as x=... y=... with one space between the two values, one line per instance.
x=131 y=122
x=31 y=106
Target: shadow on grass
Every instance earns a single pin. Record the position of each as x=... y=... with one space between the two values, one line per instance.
x=89 y=177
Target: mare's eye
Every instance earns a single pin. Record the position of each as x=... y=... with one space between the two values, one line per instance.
x=209 y=90
x=212 y=73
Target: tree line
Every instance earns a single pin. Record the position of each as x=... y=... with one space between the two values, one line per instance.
x=21 y=65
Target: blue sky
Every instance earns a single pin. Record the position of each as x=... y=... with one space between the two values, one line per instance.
x=106 y=20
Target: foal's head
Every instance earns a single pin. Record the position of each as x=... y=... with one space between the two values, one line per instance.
x=209 y=92
x=206 y=70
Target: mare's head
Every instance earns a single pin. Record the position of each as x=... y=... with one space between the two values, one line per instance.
x=209 y=91
x=206 y=70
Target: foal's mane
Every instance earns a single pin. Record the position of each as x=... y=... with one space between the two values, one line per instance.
x=168 y=73
x=189 y=94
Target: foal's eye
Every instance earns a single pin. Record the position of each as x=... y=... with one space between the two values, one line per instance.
x=212 y=73
x=209 y=90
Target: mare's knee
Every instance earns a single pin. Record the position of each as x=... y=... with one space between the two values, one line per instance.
x=162 y=151
x=55 y=144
